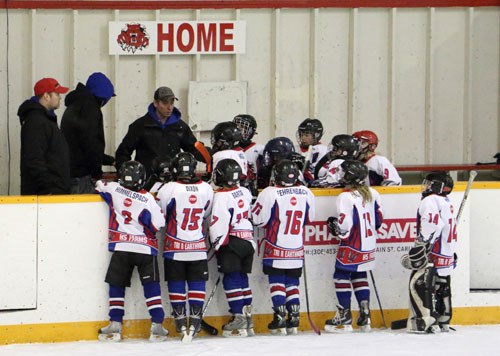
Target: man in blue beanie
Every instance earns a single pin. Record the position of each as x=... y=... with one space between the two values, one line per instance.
x=82 y=125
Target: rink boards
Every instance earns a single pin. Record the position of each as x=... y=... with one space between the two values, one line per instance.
x=53 y=258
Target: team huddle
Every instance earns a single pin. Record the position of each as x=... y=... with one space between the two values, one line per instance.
x=248 y=185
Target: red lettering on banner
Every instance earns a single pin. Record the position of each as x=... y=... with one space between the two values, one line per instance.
x=225 y=36
x=207 y=37
x=169 y=37
x=190 y=37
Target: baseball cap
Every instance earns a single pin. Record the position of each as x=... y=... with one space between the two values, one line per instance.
x=49 y=85
x=164 y=93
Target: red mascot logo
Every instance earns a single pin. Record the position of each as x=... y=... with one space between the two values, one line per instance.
x=134 y=37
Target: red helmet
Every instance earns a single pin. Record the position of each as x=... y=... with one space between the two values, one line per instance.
x=368 y=137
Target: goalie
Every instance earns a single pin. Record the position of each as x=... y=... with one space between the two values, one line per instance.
x=433 y=257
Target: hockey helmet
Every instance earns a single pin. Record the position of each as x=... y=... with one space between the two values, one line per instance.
x=312 y=127
x=285 y=173
x=437 y=182
x=247 y=125
x=132 y=175
x=162 y=168
x=227 y=173
x=225 y=135
x=184 y=166
x=277 y=149
x=343 y=146
x=355 y=172
x=368 y=140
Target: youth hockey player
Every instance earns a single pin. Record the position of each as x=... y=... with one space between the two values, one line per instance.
x=380 y=170
x=327 y=172
x=134 y=219
x=275 y=150
x=231 y=234
x=284 y=209
x=359 y=217
x=309 y=135
x=433 y=257
x=186 y=201
x=248 y=127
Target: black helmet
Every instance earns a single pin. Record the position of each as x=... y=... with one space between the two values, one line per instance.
x=277 y=149
x=184 y=166
x=310 y=126
x=285 y=173
x=437 y=182
x=355 y=172
x=227 y=173
x=247 y=125
x=346 y=144
x=225 y=135
x=162 y=167
x=132 y=175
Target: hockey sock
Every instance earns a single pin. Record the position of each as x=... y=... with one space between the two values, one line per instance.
x=245 y=289
x=152 y=293
x=177 y=293
x=278 y=290
x=342 y=283
x=232 y=287
x=360 y=285
x=196 y=294
x=116 y=303
x=292 y=291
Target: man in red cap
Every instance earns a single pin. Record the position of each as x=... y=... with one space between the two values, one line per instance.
x=44 y=151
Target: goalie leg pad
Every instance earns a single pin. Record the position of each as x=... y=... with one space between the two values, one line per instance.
x=421 y=306
x=443 y=299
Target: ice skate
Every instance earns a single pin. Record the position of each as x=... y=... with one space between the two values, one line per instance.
x=112 y=332
x=292 y=322
x=342 y=322
x=158 y=333
x=247 y=311
x=236 y=327
x=445 y=328
x=364 y=320
x=278 y=325
x=424 y=325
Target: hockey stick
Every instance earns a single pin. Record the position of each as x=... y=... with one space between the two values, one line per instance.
x=313 y=326
x=378 y=299
x=204 y=325
x=401 y=323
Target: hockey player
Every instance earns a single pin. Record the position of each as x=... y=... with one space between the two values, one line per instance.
x=380 y=170
x=186 y=201
x=161 y=174
x=327 y=172
x=309 y=135
x=284 y=209
x=231 y=234
x=248 y=127
x=359 y=217
x=275 y=150
x=134 y=220
x=433 y=257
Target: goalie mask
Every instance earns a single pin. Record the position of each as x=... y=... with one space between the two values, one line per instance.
x=247 y=125
x=184 y=166
x=225 y=136
x=132 y=175
x=355 y=172
x=227 y=173
x=277 y=149
x=309 y=132
x=285 y=173
x=438 y=182
x=343 y=146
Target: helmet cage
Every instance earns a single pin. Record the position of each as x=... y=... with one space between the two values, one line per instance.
x=246 y=127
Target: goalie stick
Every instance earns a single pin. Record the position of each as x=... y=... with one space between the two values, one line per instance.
x=401 y=323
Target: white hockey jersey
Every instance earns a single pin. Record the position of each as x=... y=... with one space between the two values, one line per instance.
x=284 y=211
x=231 y=216
x=381 y=172
x=436 y=224
x=330 y=175
x=236 y=154
x=186 y=205
x=317 y=152
x=358 y=222
x=134 y=219
x=252 y=153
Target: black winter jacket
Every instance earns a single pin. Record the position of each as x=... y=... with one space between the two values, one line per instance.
x=44 y=152
x=82 y=125
x=149 y=140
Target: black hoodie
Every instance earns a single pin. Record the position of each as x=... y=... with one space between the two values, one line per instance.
x=44 y=152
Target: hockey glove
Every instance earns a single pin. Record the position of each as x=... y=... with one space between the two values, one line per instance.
x=418 y=256
x=333 y=226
